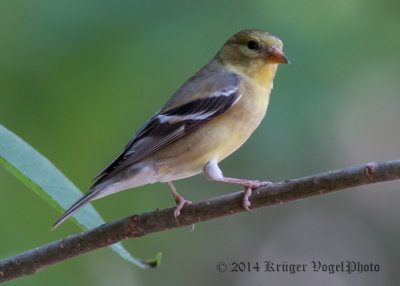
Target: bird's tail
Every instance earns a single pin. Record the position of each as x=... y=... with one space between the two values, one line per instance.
x=135 y=176
x=84 y=200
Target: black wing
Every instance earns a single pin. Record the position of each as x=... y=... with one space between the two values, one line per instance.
x=166 y=127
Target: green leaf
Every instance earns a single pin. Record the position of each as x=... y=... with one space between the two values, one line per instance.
x=41 y=176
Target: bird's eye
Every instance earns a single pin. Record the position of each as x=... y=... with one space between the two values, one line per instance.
x=253 y=45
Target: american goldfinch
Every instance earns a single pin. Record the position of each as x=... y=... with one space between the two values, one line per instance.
x=207 y=119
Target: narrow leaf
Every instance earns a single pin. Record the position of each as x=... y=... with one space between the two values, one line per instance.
x=41 y=176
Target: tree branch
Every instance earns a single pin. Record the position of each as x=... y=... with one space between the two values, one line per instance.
x=32 y=261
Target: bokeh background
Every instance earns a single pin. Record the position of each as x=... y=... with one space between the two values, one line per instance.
x=79 y=78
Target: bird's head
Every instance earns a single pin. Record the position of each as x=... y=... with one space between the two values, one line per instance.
x=252 y=49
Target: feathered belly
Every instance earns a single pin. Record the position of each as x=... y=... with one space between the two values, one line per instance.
x=216 y=139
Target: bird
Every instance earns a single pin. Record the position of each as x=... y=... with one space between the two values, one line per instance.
x=208 y=118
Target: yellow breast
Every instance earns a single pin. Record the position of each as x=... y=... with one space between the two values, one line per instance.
x=222 y=135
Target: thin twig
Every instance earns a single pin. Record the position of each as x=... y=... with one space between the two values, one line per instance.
x=32 y=261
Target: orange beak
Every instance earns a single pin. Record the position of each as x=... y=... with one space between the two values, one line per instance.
x=276 y=56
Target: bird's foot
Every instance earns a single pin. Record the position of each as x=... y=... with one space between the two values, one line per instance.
x=180 y=201
x=214 y=173
x=249 y=186
x=245 y=201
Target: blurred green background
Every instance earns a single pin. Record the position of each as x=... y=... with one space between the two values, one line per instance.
x=79 y=78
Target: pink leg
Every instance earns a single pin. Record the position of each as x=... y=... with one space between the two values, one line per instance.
x=246 y=202
x=180 y=201
x=214 y=173
x=252 y=184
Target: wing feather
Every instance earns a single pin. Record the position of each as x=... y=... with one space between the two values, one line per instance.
x=169 y=125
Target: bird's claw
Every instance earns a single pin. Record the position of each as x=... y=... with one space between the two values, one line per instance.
x=256 y=184
x=180 y=203
x=245 y=201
